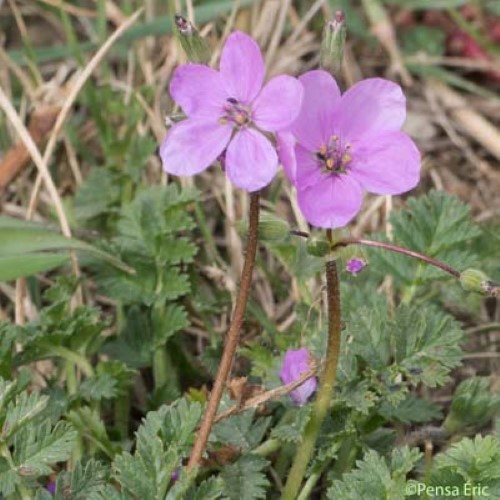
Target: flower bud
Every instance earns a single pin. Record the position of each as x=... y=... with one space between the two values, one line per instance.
x=295 y=363
x=318 y=247
x=272 y=228
x=474 y=280
x=332 y=44
x=195 y=46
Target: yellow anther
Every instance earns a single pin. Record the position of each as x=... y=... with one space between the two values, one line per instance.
x=323 y=149
x=240 y=119
x=329 y=163
x=346 y=159
x=222 y=121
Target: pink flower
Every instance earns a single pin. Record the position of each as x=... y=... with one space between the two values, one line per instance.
x=229 y=111
x=294 y=365
x=340 y=146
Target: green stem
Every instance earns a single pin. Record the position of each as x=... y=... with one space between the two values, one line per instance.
x=345 y=457
x=73 y=358
x=310 y=484
x=161 y=359
x=325 y=391
x=122 y=413
x=71 y=382
x=161 y=366
x=267 y=447
x=72 y=388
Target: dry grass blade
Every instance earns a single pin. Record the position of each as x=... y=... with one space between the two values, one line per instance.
x=40 y=123
x=469 y=120
x=43 y=171
x=73 y=93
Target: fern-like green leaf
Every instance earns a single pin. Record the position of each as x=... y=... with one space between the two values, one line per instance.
x=423 y=343
x=241 y=431
x=472 y=462
x=37 y=447
x=245 y=479
x=23 y=410
x=375 y=479
x=473 y=405
x=292 y=431
x=83 y=482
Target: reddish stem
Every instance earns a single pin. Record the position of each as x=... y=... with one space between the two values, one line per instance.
x=232 y=337
x=404 y=251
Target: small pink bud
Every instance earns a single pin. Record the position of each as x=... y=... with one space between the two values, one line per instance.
x=355 y=266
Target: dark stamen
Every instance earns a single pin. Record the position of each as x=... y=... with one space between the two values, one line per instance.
x=232 y=100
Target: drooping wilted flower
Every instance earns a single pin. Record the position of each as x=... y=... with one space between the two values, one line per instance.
x=342 y=145
x=229 y=111
x=295 y=363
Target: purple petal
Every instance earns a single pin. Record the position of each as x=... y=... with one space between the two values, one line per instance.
x=278 y=104
x=331 y=203
x=308 y=171
x=193 y=145
x=386 y=164
x=286 y=154
x=295 y=363
x=242 y=67
x=302 y=394
x=315 y=125
x=199 y=90
x=372 y=105
x=251 y=160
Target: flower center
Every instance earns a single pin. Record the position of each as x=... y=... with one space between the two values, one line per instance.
x=334 y=156
x=236 y=112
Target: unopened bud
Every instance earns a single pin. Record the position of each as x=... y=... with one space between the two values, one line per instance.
x=194 y=45
x=474 y=280
x=272 y=228
x=332 y=44
x=318 y=247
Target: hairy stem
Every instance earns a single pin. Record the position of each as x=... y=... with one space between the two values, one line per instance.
x=397 y=249
x=391 y=248
x=232 y=337
x=325 y=391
